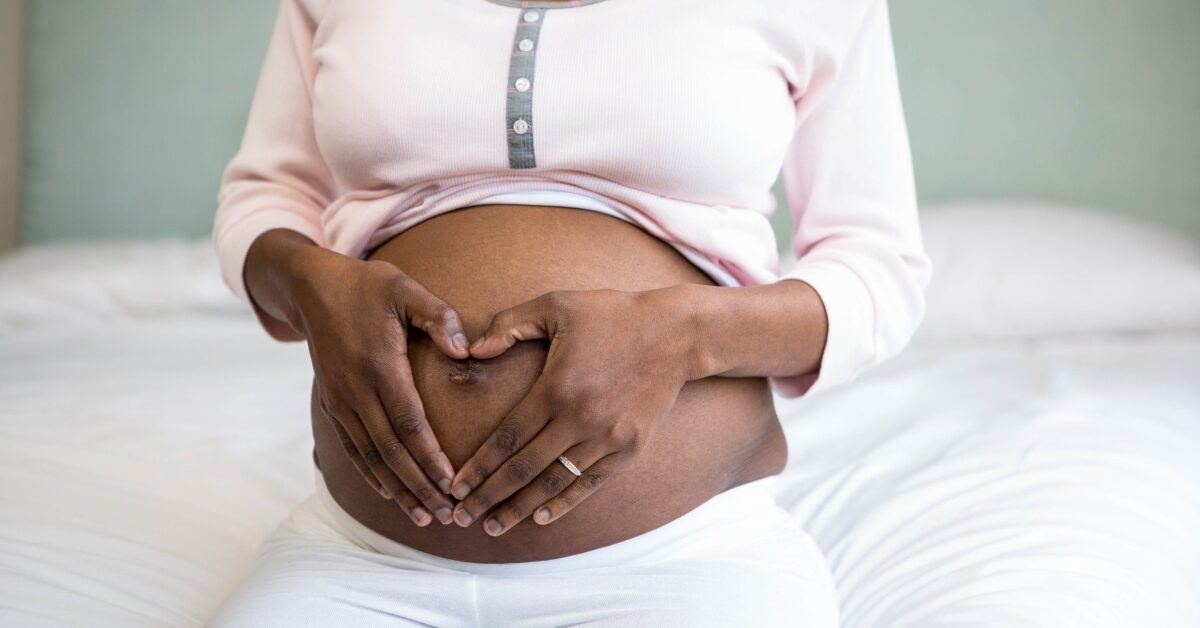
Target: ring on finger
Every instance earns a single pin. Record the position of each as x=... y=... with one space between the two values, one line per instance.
x=588 y=458
x=549 y=484
x=566 y=462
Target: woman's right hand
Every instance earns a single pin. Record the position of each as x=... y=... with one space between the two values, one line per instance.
x=355 y=316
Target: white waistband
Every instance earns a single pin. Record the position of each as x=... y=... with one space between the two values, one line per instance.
x=737 y=515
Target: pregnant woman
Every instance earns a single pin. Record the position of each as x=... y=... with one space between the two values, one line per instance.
x=528 y=246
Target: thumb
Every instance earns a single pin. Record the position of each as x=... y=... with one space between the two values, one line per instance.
x=425 y=311
x=528 y=321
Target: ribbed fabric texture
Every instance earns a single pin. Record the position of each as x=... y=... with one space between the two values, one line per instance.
x=371 y=117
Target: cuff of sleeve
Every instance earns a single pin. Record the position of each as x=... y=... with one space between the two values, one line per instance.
x=233 y=244
x=849 y=340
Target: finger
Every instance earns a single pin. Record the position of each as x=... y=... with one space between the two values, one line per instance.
x=352 y=447
x=407 y=501
x=400 y=495
x=406 y=419
x=547 y=486
x=351 y=450
x=521 y=424
x=397 y=458
x=432 y=315
x=583 y=486
x=516 y=472
x=411 y=505
x=528 y=321
x=393 y=488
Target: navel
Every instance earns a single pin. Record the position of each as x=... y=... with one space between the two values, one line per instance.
x=468 y=371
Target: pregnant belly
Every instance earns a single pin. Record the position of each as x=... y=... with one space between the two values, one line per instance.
x=722 y=432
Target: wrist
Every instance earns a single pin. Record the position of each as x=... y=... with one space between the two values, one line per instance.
x=770 y=330
x=308 y=273
x=277 y=263
x=679 y=313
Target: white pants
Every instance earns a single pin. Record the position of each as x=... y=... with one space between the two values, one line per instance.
x=736 y=560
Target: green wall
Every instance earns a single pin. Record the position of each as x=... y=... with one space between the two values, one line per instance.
x=132 y=109
x=1091 y=101
x=133 y=106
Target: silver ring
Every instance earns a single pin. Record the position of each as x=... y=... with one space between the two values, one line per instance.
x=569 y=465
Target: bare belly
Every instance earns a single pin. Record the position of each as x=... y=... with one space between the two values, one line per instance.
x=722 y=432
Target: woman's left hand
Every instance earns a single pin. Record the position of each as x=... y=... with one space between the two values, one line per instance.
x=616 y=363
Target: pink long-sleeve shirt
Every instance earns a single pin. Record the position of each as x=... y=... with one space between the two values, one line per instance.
x=677 y=115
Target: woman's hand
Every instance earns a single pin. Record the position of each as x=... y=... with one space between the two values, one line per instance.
x=616 y=363
x=355 y=316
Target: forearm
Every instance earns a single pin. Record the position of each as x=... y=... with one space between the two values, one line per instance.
x=773 y=330
x=271 y=268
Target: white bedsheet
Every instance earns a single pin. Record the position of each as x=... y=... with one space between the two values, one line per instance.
x=147 y=444
x=1054 y=483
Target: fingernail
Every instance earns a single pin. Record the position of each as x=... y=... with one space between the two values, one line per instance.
x=444 y=484
x=479 y=342
x=462 y=517
x=460 y=341
x=444 y=515
x=461 y=491
x=542 y=515
x=420 y=515
x=492 y=526
x=384 y=492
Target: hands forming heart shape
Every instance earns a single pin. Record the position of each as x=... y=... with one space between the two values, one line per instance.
x=615 y=366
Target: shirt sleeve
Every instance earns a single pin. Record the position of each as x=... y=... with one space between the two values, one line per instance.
x=277 y=179
x=848 y=180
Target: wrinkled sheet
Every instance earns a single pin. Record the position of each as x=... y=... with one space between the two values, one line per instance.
x=149 y=442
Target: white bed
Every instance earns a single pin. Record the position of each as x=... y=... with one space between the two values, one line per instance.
x=1033 y=458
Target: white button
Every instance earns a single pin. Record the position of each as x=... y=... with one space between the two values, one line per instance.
x=522 y=84
x=525 y=45
x=531 y=16
x=520 y=126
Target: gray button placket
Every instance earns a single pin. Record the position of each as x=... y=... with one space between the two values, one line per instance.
x=521 y=84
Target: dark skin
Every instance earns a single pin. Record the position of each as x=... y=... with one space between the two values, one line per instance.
x=605 y=396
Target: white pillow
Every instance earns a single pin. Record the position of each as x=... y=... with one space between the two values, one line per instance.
x=1027 y=270
x=101 y=281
